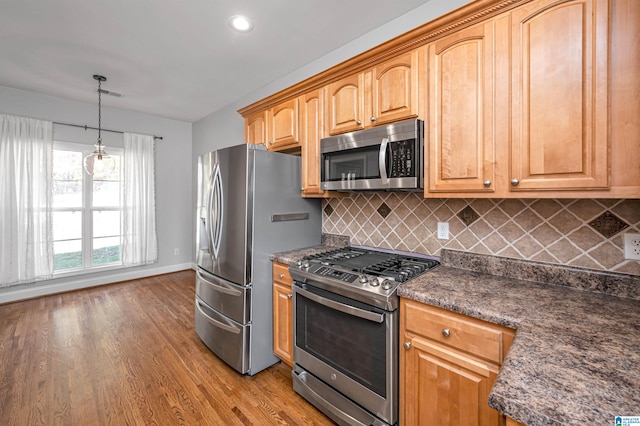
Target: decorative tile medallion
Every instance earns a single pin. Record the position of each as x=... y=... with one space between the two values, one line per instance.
x=328 y=209
x=608 y=224
x=384 y=210
x=468 y=215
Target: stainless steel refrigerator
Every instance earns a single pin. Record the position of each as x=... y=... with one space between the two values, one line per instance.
x=249 y=206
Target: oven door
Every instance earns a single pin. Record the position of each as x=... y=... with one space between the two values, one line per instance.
x=350 y=346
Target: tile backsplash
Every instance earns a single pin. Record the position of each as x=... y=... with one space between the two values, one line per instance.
x=577 y=232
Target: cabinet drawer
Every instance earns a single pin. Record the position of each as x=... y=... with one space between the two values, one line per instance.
x=281 y=273
x=476 y=337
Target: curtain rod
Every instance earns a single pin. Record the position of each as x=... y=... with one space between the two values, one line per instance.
x=84 y=126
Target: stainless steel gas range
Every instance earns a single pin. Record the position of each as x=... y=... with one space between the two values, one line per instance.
x=345 y=331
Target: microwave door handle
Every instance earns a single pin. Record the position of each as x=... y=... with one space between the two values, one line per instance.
x=349 y=310
x=382 y=161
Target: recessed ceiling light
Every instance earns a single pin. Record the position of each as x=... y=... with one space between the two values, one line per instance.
x=241 y=23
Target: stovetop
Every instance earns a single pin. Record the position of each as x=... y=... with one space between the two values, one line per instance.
x=364 y=274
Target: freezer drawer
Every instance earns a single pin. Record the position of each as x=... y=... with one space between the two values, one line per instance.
x=225 y=337
x=229 y=299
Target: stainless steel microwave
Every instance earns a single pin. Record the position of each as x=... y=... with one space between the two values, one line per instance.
x=385 y=158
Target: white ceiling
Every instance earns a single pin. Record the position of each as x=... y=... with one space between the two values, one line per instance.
x=173 y=58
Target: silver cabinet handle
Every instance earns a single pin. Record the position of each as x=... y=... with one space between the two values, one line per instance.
x=446 y=332
x=407 y=345
x=515 y=182
x=280 y=275
x=487 y=183
x=289 y=296
x=372 y=119
x=358 y=122
x=270 y=142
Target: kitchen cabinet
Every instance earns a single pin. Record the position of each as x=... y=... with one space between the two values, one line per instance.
x=255 y=128
x=461 y=128
x=510 y=72
x=448 y=364
x=282 y=313
x=282 y=126
x=560 y=99
x=311 y=131
x=511 y=422
x=384 y=93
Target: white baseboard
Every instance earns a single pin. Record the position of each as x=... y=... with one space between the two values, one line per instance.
x=44 y=288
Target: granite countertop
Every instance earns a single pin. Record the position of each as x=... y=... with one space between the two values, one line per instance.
x=575 y=359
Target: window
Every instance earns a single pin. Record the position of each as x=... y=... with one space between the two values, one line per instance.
x=87 y=210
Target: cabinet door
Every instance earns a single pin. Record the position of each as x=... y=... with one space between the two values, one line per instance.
x=461 y=137
x=560 y=95
x=345 y=105
x=394 y=89
x=255 y=128
x=311 y=124
x=283 y=125
x=283 y=322
x=442 y=387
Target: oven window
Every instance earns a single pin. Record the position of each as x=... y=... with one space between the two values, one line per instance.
x=352 y=345
x=352 y=164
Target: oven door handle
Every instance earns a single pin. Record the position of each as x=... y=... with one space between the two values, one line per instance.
x=349 y=310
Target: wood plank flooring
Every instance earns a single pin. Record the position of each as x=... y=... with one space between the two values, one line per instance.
x=127 y=354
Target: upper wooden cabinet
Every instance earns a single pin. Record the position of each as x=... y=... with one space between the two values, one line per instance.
x=311 y=131
x=460 y=135
x=560 y=100
x=382 y=94
x=282 y=126
x=255 y=128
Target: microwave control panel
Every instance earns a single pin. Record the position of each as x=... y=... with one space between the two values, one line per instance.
x=402 y=158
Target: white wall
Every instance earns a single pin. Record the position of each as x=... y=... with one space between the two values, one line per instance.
x=174 y=203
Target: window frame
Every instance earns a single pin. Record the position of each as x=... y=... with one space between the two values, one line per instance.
x=88 y=209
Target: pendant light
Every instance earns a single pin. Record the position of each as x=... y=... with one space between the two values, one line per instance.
x=99 y=161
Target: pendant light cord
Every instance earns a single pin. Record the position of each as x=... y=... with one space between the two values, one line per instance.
x=99 y=110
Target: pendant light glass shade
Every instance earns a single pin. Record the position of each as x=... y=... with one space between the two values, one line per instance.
x=99 y=161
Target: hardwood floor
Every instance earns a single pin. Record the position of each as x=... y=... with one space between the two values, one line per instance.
x=127 y=354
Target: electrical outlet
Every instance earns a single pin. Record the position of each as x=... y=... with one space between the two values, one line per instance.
x=632 y=246
x=443 y=230
x=176 y=252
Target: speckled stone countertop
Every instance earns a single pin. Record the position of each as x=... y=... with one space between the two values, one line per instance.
x=575 y=359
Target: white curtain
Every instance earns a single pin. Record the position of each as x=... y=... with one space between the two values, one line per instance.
x=140 y=244
x=26 y=148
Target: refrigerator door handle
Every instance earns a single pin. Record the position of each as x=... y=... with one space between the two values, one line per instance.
x=215 y=209
x=229 y=328
x=220 y=286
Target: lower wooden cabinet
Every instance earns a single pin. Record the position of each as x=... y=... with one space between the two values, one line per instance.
x=282 y=313
x=448 y=364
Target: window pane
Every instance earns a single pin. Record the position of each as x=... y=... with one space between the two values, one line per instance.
x=106 y=224
x=67 y=254
x=106 y=250
x=67 y=179
x=67 y=225
x=106 y=194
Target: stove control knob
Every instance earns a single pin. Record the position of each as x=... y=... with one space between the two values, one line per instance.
x=386 y=284
x=306 y=264
x=363 y=279
x=374 y=283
